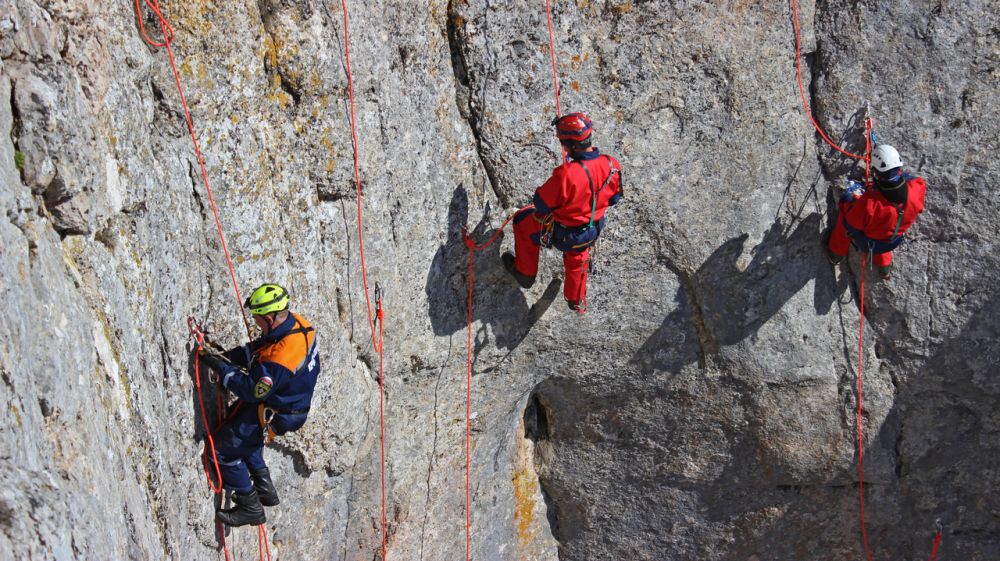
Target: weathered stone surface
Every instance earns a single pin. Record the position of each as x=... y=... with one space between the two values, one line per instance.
x=702 y=409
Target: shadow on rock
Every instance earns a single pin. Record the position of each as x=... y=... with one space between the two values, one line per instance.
x=498 y=302
x=941 y=434
x=727 y=304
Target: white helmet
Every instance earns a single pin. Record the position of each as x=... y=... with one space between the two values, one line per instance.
x=885 y=158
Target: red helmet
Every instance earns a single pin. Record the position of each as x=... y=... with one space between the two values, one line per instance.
x=575 y=127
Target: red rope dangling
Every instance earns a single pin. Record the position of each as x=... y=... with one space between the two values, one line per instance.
x=377 y=343
x=168 y=37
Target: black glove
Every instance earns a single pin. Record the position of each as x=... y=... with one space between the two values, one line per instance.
x=214 y=361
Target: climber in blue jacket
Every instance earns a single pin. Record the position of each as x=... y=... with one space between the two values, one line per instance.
x=274 y=377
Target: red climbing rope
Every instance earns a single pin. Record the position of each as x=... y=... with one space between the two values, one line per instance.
x=934 y=548
x=861 y=327
x=860 y=412
x=168 y=37
x=199 y=338
x=860 y=427
x=802 y=90
x=377 y=344
x=262 y=544
x=473 y=248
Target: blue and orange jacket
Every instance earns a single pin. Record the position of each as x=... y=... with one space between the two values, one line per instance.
x=569 y=195
x=280 y=370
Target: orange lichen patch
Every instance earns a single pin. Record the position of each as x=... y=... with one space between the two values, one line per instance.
x=575 y=85
x=524 y=504
x=17 y=415
x=622 y=9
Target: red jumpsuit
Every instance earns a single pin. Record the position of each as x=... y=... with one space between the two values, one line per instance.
x=577 y=204
x=869 y=222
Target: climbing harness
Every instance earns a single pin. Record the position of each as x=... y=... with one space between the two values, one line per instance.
x=870 y=140
x=379 y=316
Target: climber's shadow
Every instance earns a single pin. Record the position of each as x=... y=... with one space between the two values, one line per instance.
x=735 y=302
x=497 y=300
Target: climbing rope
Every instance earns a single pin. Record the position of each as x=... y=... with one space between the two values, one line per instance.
x=473 y=248
x=199 y=337
x=860 y=429
x=802 y=90
x=167 y=33
x=168 y=36
x=377 y=343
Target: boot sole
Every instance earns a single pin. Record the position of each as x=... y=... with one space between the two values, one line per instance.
x=255 y=522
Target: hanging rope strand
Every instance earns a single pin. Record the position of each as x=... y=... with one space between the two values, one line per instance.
x=802 y=89
x=168 y=36
x=377 y=343
x=860 y=384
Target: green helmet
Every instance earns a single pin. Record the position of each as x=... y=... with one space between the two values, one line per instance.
x=267 y=298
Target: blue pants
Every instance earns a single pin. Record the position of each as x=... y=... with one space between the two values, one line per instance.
x=239 y=445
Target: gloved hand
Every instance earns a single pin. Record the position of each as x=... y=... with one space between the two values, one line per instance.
x=214 y=361
x=852 y=192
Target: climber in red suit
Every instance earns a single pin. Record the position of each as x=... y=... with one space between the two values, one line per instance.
x=876 y=220
x=567 y=211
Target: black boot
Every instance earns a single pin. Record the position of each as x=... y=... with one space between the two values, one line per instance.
x=265 y=487
x=248 y=510
x=522 y=279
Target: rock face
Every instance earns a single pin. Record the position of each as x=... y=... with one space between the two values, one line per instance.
x=704 y=408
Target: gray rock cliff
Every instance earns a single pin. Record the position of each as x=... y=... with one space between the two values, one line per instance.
x=704 y=408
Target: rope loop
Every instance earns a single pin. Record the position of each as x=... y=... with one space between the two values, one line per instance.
x=168 y=31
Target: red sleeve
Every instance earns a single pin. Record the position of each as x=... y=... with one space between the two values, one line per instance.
x=553 y=193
